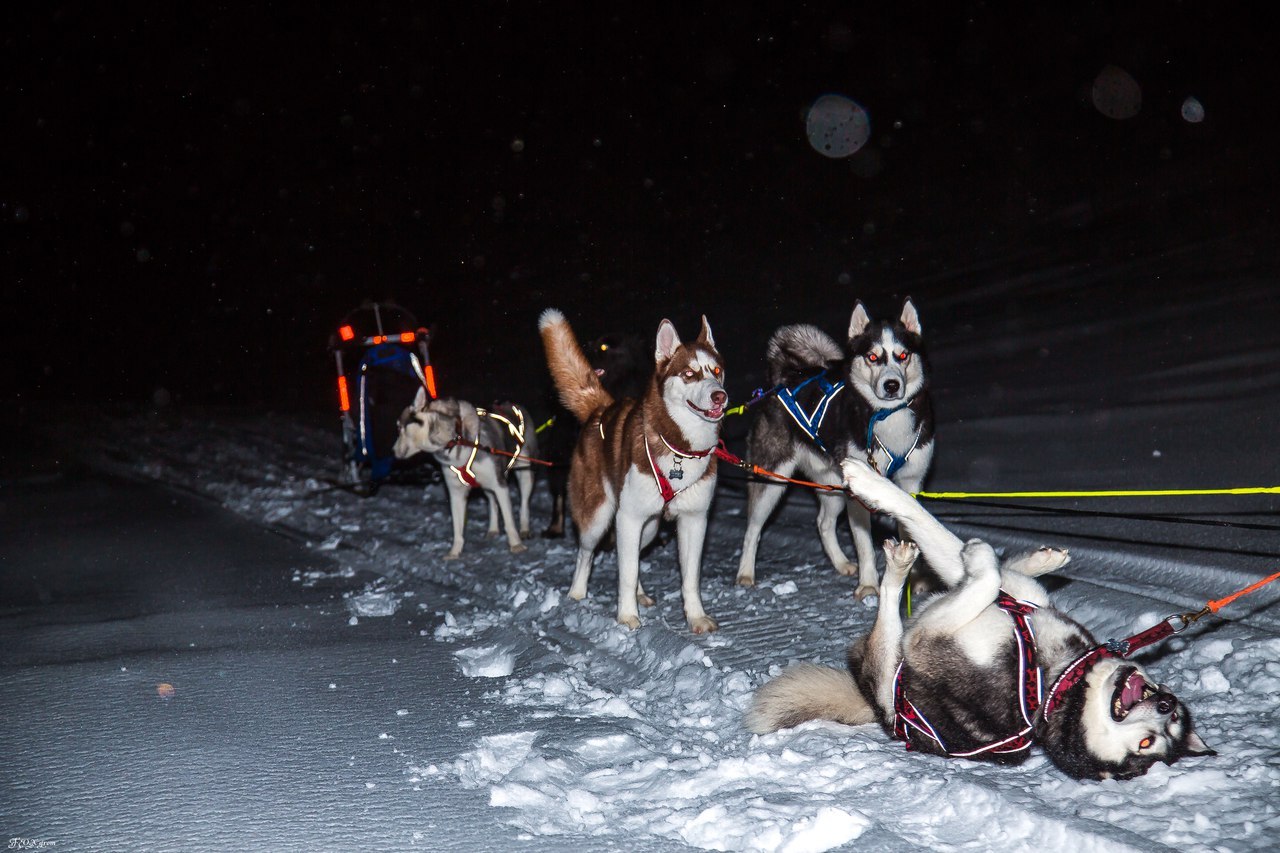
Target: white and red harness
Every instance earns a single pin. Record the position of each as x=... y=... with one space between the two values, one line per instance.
x=909 y=723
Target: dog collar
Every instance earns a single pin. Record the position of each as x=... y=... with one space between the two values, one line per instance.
x=1079 y=668
x=665 y=488
x=908 y=720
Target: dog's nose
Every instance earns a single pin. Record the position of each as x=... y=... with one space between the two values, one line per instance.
x=891 y=387
x=719 y=398
x=1166 y=702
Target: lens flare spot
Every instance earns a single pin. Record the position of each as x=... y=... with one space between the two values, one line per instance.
x=837 y=126
x=1116 y=94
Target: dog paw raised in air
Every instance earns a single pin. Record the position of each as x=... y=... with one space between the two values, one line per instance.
x=899 y=557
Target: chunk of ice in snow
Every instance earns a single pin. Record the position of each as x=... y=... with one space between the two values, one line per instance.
x=486 y=661
x=373 y=604
x=785 y=588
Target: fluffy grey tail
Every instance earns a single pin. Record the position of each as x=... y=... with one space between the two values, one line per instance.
x=808 y=692
x=800 y=350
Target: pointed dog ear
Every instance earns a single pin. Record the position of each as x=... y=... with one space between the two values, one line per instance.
x=705 y=335
x=420 y=400
x=910 y=319
x=1193 y=744
x=668 y=342
x=859 y=321
x=469 y=418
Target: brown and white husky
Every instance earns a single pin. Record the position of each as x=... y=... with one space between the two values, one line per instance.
x=638 y=461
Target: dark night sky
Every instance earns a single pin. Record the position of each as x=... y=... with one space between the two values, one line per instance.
x=192 y=200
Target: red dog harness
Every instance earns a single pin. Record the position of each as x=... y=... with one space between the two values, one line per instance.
x=910 y=723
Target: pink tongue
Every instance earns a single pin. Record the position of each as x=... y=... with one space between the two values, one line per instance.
x=1132 y=693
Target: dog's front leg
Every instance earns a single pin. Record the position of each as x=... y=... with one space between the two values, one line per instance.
x=940 y=546
x=627 y=533
x=458 y=492
x=691 y=530
x=884 y=644
x=860 y=529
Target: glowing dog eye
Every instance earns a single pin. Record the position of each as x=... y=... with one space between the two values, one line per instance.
x=715 y=371
x=604 y=348
x=872 y=357
x=902 y=356
x=1146 y=743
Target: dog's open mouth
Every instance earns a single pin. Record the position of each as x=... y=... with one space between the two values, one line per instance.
x=714 y=413
x=1131 y=688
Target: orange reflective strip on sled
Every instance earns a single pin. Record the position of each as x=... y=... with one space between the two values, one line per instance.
x=344 y=401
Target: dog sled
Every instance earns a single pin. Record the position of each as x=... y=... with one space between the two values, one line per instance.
x=382 y=358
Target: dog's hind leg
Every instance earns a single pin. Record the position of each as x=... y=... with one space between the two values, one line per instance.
x=491 y=499
x=951 y=611
x=524 y=479
x=762 y=498
x=940 y=546
x=1018 y=573
x=875 y=663
x=590 y=532
x=495 y=486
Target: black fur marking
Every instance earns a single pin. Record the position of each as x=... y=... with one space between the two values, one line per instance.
x=955 y=694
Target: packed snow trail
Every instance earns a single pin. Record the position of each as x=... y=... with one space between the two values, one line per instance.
x=637 y=734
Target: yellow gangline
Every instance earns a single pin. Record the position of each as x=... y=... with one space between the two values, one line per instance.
x=1103 y=493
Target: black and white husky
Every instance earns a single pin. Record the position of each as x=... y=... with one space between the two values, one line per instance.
x=867 y=399
x=463 y=438
x=964 y=678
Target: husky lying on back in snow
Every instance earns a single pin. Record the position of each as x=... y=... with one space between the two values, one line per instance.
x=638 y=461
x=869 y=397
x=460 y=437
x=963 y=679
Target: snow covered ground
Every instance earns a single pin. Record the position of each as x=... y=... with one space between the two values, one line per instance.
x=580 y=733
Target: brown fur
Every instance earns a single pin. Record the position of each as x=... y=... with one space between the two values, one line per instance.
x=613 y=454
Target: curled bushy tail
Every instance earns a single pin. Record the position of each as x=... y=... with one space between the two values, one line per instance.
x=800 y=350
x=808 y=692
x=579 y=387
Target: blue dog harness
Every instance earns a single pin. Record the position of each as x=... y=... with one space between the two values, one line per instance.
x=810 y=421
x=873 y=441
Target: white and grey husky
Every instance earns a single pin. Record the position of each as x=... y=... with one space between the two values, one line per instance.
x=637 y=461
x=463 y=438
x=963 y=678
x=868 y=398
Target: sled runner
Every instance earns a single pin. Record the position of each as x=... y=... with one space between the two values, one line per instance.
x=382 y=358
